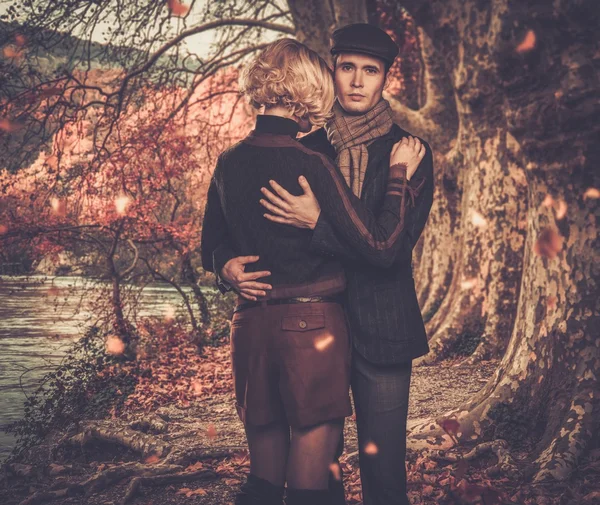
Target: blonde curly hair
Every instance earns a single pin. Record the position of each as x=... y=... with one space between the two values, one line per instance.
x=290 y=74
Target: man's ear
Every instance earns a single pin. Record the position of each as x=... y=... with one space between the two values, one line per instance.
x=388 y=81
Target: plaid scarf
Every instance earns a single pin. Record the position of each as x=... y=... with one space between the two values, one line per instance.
x=350 y=136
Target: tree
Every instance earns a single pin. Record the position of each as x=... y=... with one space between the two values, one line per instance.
x=521 y=78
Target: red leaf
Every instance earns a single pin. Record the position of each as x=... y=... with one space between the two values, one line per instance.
x=528 y=42
x=177 y=8
x=548 y=243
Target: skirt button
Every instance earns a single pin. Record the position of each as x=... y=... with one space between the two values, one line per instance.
x=302 y=324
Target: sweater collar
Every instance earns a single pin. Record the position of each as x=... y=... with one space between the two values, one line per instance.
x=276 y=125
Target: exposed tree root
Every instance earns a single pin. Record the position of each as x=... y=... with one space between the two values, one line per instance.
x=163 y=462
x=561 y=456
x=106 y=431
x=506 y=464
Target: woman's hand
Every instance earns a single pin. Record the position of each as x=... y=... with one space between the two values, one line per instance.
x=409 y=151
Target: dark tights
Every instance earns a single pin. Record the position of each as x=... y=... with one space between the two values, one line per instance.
x=300 y=458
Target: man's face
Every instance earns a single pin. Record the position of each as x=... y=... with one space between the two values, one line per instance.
x=359 y=82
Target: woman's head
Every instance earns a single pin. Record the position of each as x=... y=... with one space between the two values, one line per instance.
x=289 y=74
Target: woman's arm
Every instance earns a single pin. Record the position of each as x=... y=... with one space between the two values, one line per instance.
x=325 y=240
x=377 y=238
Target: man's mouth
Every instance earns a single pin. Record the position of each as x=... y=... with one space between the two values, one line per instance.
x=356 y=96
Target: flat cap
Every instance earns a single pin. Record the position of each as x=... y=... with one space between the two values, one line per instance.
x=366 y=39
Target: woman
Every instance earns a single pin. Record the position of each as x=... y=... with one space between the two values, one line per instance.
x=290 y=350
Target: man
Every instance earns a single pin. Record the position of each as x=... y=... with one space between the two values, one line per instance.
x=381 y=304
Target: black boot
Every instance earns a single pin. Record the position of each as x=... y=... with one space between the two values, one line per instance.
x=307 y=496
x=257 y=491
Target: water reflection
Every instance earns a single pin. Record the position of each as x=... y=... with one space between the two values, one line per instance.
x=40 y=317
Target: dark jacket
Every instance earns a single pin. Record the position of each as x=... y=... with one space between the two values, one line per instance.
x=381 y=303
x=234 y=218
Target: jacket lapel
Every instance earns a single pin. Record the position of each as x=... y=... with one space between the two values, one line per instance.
x=378 y=150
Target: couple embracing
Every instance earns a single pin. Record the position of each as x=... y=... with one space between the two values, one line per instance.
x=316 y=237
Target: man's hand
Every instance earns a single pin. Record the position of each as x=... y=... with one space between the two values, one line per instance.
x=300 y=211
x=244 y=283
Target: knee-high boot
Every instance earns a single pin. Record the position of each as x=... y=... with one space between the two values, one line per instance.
x=257 y=491
x=307 y=496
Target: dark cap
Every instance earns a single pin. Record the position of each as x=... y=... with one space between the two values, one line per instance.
x=365 y=39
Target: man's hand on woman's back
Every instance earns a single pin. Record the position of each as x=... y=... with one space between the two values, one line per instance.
x=245 y=283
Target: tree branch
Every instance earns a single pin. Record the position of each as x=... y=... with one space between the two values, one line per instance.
x=194 y=31
x=440 y=105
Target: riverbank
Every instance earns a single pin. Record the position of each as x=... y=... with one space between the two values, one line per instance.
x=41 y=317
x=178 y=432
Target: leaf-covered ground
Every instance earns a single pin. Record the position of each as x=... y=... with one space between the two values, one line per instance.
x=193 y=394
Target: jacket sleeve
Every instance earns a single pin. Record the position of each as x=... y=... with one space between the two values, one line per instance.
x=394 y=231
x=214 y=227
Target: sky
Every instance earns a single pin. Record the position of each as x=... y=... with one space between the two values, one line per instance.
x=199 y=44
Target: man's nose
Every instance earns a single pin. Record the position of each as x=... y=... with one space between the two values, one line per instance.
x=357 y=81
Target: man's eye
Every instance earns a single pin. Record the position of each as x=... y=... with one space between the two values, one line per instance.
x=346 y=67
x=371 y=71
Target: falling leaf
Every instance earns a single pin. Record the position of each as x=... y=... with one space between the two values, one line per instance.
x=592 y=193
x=478 y=220
x=211 y=431
x=169 y=313
x=178 y=8
x=3 y=229
x=370 y=448
x=114 y=345
x=561 y=211
x=197 y=388
x=121 y=204
x=548 y=201
x=548 y=243
x=52 y=161
x=151 y=459
x=468 y=283
x=450 y=426
x=324 y=342
x=9 y=126
x=551 y=302
x=528 y=42
x=53 y=291
x=59 y=207
x=336 y=471
x=20 y=39
x=12 y=53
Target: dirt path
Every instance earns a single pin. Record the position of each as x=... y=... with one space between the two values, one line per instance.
x=211 y=425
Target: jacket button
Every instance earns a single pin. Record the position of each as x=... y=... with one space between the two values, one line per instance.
x=302 y=324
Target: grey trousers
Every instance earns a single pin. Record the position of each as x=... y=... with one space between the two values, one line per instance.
x=381 y=404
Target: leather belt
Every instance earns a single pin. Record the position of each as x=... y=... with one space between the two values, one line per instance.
x=286 y=301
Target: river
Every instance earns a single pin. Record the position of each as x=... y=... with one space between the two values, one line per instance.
x=40 y=318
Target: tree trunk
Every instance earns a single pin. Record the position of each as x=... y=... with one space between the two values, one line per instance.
x=315 y=21
x=541 y=71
